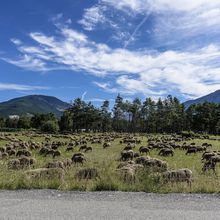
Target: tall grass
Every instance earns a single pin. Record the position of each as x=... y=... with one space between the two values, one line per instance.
x=106 y=161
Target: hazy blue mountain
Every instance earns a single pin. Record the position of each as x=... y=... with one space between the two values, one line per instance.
x=33 y=104
x=212 y=97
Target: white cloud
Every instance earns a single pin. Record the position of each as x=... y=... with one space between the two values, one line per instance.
x=16 y=41
x=193 y=73
x=92 y=17
x=162 y=5
x=19 y=87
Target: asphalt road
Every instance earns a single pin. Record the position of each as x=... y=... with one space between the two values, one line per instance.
x=55 y=205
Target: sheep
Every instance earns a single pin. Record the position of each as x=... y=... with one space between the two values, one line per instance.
x=127 y=155
x=166 y=152
x=180 y=175
x=23 y=153
x=12 y=152
x=141 y=160
x=209 y=165
x=156 y=164
x=106 y=144
x=56 y=153
x=215 y=158
x=191 y=150
x=69 y=148
x=4 y=155
x=67 y=163
x=2 y=149
x=88 y=149
x=55 y=164
x=129 y=147
x=136 y=155
x=78 y=158
x=87 y=173
x=143 y=149
x=207 y=155
x=44 y=150
x=122 y=164
x=14 y=164
x=128 y=172
x=83 y=147
x=47 y=173
x=26 y=161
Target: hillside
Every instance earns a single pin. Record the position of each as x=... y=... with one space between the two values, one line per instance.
x=212 y=97
x=33 y=104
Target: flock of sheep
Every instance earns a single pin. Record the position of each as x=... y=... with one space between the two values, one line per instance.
x=133 y=155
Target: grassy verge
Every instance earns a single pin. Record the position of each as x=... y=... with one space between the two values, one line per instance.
x=106 y=161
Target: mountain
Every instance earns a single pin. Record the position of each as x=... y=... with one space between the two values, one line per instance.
x=32 y=104
x=212 y=97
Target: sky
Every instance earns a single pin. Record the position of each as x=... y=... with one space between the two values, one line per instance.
x=95 y=49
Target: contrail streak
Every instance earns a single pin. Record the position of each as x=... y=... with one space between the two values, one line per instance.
x=136 y=30
x=83 y=95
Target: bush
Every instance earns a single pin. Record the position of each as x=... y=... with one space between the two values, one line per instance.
x=50 y=127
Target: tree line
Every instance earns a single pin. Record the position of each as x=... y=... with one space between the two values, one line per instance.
x=150 y=116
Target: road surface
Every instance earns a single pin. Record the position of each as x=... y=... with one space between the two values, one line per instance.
x=56 y=205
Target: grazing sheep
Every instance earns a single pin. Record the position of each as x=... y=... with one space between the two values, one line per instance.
x=215 y=158
x=209 y=165
x=106 y=144
x=156 y=164
x=26 y=161
x=166 y=152
x=207 y=155
x=123 y=164
x=78 y=154
x=43 y=151
x=127 y=155
x=88 y=149
x=14 y=164
x=136 y=155
x=67 y=163
x=2 y=149
x=87 y=173
x=4 y=155
x=56 y=153
x=191 y=150
x=78 y=158
x=83 y=147
x=69 y=148
x=12 y=152
x=55 y=164
x=23 y=153
x=47 y=173
x=180 y=175
x=143 y=149
x=128 y=172
x=129 y=147
x=141 y=160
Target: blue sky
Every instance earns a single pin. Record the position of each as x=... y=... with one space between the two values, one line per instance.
x=95 y=49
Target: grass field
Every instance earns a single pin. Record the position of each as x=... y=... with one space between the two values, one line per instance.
x=106 y=162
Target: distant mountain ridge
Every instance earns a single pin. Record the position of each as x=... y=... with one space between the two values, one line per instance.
x=212 y=97
x=33 y=104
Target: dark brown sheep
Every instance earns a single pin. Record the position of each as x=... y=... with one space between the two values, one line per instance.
x=166 y=152
x=143 y=150
x=127 y=155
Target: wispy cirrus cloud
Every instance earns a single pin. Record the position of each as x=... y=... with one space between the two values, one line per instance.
x=192 y=73
x=191 y=70
x=20 y=87
x=93 y=16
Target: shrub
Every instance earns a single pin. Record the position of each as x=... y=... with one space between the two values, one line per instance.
x=50 y=127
